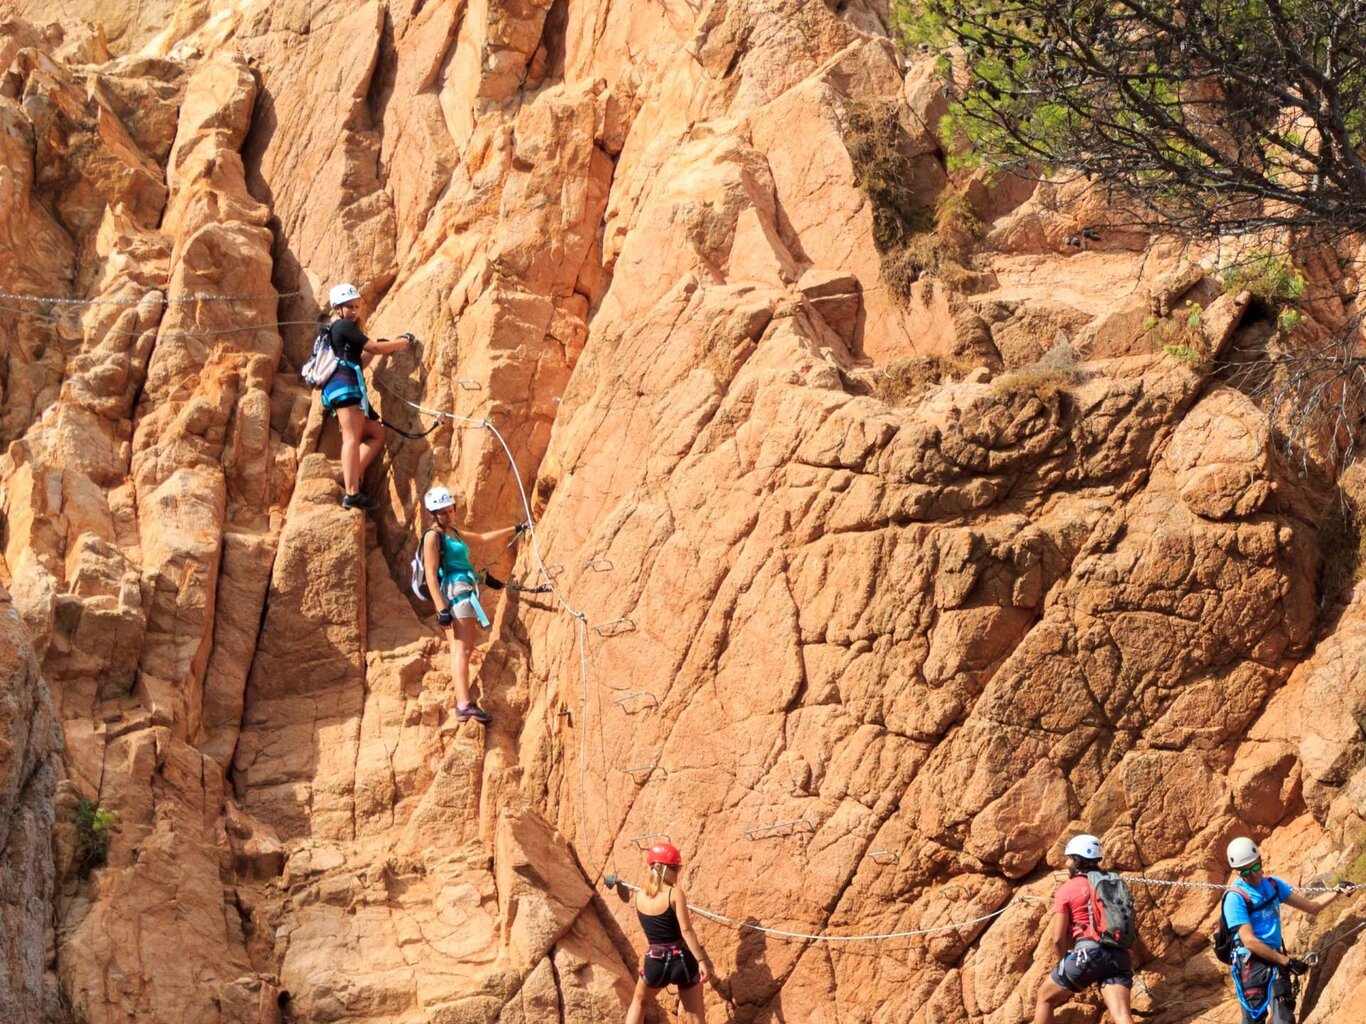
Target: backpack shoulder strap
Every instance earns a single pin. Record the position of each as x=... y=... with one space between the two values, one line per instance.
x=1253 y=905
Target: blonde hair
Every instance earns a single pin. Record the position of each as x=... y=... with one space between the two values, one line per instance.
x=654 y=879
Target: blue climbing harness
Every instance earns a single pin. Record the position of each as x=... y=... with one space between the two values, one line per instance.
x=459 y=582
x=1242 y=954
x=341 y=388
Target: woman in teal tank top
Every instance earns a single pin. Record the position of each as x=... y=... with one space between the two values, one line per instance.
x=454 y=586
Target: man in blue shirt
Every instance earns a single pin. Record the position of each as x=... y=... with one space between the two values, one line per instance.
x=1252 y=909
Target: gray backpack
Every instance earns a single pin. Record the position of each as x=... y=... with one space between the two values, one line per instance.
x=1111 y=910
x=418 y=581
x=323 y=362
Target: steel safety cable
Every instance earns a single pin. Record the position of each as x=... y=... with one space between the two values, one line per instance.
x=1181 y=884
x=166 y=300
x=780 y=933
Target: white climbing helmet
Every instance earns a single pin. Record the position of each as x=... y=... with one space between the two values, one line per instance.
x=1083 y=846
x=1242 y=852
x=341 y=294
x=438 y=498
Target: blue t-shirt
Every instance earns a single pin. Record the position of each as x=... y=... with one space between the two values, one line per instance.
x=455 y=559
x=1266 y=923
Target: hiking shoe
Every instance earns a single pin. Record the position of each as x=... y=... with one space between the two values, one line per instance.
x=361 y=501
x=464 y=712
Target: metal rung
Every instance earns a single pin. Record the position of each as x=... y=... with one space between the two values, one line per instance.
x=640 y=842
x=470 y=384
x=885 y=857
x=758 y=830
x=648 y=769
x=600 y=564
x=614 y=627
x=624 y=698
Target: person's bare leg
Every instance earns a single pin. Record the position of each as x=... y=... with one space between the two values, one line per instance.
x=352 y=423
x=463 y=637
x=371 y=444
x=1117 y=1002
x=641 y=998
x=1051 y=996
x=694 y=1007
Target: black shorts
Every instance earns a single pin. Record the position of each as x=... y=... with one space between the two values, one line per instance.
x=1094 y=964
x=1253 y=976
x=670 y=965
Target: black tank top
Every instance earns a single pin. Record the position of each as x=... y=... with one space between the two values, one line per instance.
x=661 y=929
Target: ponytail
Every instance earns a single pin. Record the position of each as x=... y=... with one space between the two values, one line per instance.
x=654 y=879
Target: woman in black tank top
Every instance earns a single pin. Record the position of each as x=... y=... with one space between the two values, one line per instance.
x=674 y=955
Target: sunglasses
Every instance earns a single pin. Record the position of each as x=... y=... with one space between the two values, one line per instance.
x=1251 y=869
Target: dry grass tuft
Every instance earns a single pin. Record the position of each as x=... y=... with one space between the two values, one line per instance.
x=1057 y=372
x=903 y=381
x=916 y=238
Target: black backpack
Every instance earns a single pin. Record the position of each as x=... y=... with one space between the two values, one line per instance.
x=1224 y=936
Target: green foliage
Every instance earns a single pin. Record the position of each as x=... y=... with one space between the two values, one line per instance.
x=1288 y=319
x=1179 y=106
x=93 y=826
x=1179 y=334
x=1272 y=279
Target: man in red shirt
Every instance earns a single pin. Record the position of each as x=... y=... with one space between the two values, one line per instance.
x=1084 y=961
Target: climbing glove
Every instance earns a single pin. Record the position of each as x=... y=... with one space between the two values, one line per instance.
x=1296 y=966
x=444 y=617
x=1345 y=888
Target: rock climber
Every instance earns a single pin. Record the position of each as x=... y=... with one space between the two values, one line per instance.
x=454 y=586
x=1083 y=961
x=674 y=956
x=1252 y=911
x=345 y=395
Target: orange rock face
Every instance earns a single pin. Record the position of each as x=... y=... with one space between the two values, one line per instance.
x=867 y=596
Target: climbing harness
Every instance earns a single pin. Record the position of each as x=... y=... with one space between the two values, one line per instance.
x=1234 y=968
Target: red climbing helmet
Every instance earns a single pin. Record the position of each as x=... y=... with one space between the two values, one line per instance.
x=664 y=853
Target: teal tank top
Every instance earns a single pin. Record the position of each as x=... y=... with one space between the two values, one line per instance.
x=455 y=559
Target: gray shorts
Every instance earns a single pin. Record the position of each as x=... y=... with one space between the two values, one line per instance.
x=458 y=595
x=1094 y=964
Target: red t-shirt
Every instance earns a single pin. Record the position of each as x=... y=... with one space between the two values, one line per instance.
x=1074 y=899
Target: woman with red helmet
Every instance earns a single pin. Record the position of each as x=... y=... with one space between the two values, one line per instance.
x=674 y=955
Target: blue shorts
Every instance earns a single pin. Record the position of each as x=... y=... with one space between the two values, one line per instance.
x=1094 y=964
x=343 y=390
